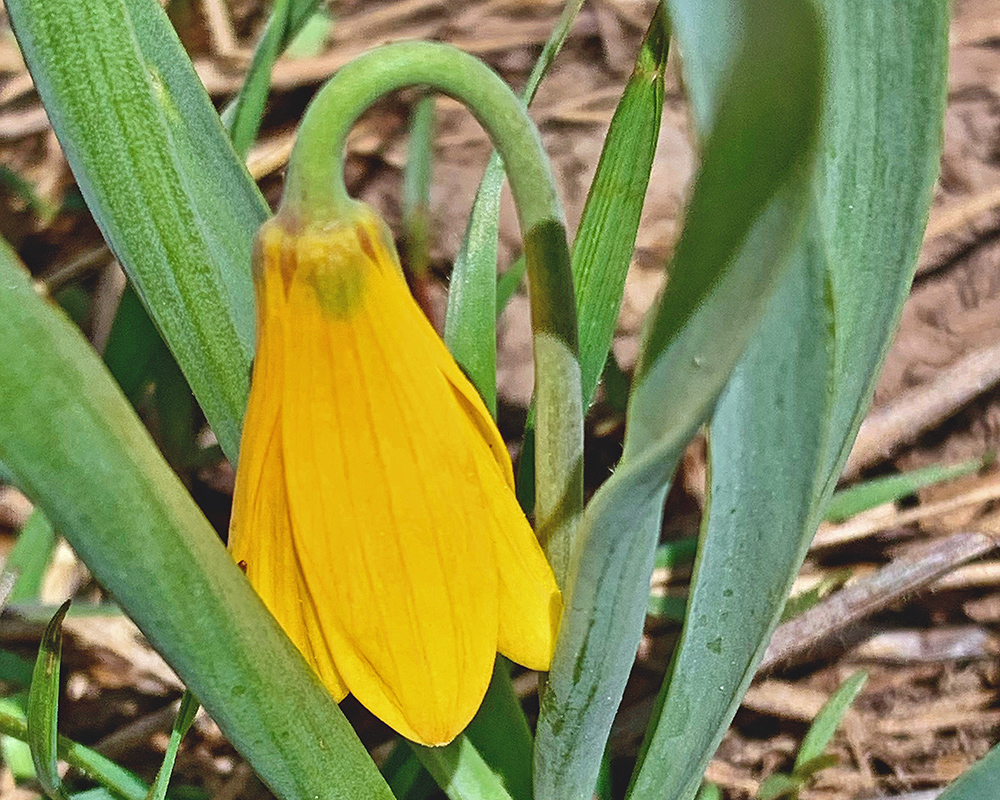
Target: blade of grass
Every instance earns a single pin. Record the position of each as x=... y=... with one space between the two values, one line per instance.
x=605 y=238
x=828 y=719
x=743 y=219
x=97 y=475
x=417 y=187
x=157 y=170
x=243 y=115
x=91 y=764
x=185 y=716
x=869 y=494
x=30 y=558
x=43 y=708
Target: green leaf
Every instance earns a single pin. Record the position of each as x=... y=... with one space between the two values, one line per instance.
x=470 y=322
x=43 y=708
x=406 y=776
x=779 y=785
x=828 y=720
x=728 y=611
x=120 y=782
x=30 y=557
x=462 y=772
x=605 y=238
x=781 y=433
x=709 y=791
x=978 y=782
x=185 y=716
x=133 y=346
x=156 y=168
x=509 y=282
x=869 y=494
x=243 y=116
x=94 y=471
x=417 y=187
x=743 y=218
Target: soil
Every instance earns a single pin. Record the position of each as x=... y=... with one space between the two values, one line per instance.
x=930 y=707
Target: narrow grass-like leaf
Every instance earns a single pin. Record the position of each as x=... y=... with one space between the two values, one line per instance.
x=30 y=558
x=417 y=187
x=828 y=720
x=743 y=218
x=779 y=437
x=509 y=282
x=185 y=716
x=869 y=494
x=91 y=764
x=157 y=170
x=605 y=238
x=709 y=791
x=779 y=785
x=243 y=116
x=43 y=708
x=470 y=323
x=81 y=454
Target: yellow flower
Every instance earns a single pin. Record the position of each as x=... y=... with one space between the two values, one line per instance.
x=374 y=508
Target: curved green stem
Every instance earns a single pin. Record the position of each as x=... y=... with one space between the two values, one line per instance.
x=315 y=192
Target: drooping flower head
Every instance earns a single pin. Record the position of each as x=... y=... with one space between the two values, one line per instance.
x=374 y=505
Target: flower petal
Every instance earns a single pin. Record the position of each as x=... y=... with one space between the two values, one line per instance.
x=389 y=518
x=260 y=536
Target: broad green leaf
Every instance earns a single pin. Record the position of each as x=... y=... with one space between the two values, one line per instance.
x=779 y=439
x=121 y=782
x=185 y=716
x=879 y=162
x=723 y=624
x=157 y=170
x=869 y=494
x=498 y=734
x=743 y=219
x=43 y=708
x=30 y=558
x=462 y=772
x=828 y=720
x=978 y=782
x=81 y=454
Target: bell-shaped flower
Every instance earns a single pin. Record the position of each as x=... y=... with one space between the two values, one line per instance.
x=374 y=508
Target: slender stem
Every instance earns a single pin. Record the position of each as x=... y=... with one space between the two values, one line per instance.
x=315 y=192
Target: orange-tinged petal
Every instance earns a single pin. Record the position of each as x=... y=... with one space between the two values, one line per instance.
x=386 y=507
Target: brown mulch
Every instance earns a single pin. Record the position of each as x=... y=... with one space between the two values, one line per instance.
x=930 y=707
